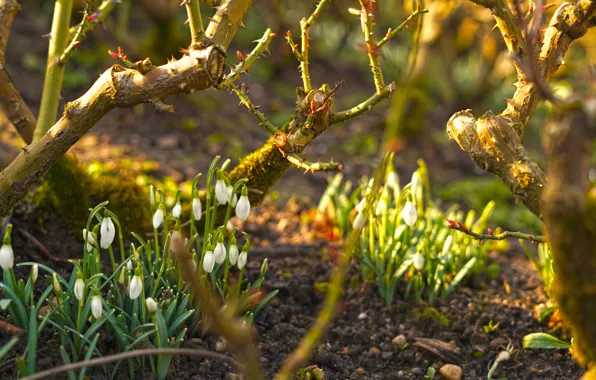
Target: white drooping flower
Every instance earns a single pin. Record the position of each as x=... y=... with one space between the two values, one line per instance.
x=409 y=214
x=177 y=210
x=129 y=265
x=242 y=259
x=79 y=289
x=158 y=218
x=359 y=221
x=221 y=190
x=135 y=287
x=392 y=180
x=96 y=306
x=151 y=305
x=447 y=245
x=232 y=195
x=360 y=205
x=383 y=203
x=108 y=232
x=6 y=257
x=233 y=254
x=197 y=209
x=418 y=261
x=243 y=205
x=34 y=273
x=219 y=252
x=91 y=239
x=208 y=262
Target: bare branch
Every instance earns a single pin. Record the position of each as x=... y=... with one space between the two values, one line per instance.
x=194 y=20
x=226 y=21
x=117 y=87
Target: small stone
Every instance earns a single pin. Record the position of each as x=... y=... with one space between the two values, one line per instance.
x=374 y=350
x=498 y=342
x=221 y=344
x=451 y=372
x=386 y=354
x=360 y=370
x=399 y=340
x=362 y=316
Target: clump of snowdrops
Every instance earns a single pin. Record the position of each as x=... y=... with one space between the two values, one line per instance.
x=406 y=238
x=138 y=299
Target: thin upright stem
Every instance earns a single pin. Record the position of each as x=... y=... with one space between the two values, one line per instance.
x=197 y=31
x=52 y=85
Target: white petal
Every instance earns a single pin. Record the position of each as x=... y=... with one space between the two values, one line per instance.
x=135 y=288
x=360 y=205
x=219 y=253
x=79 y=289
x=177 y=210
x=392 y=180
x=221 y=192
x=242 y=259
x=129 y=265
x=418 y=261
x=447 y=245
x=108 y=232
x=6 y=257
x=409 y=214
x=233 y=254
x=151 y=305
x=229 y=189
x=34 y=272
x=91 y=239
x=96 y=307
x=208 y=262
x=197 y=208
x=157 y=218
x=359 y=221
x=243 y=208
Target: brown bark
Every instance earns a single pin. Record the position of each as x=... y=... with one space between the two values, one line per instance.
x=117 y=87
x=570 y=214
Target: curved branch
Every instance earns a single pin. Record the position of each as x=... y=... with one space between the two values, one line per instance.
x=116 y=87
x=226 y=21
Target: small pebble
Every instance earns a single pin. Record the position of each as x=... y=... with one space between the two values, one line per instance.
x=451 y=372
x=399 y=340
x=374 y=350
x=362 y=316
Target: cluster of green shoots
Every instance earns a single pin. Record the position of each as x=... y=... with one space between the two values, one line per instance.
x=140 y=300
x=406 y=237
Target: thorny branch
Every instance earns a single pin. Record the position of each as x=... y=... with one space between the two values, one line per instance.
x=490 y=235
x=495 y=142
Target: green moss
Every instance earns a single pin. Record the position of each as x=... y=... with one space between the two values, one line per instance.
x=431 y=314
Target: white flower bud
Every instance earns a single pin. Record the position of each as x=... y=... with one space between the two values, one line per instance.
x=34 y=273
x=135 y=287
x=91 y=239
x=503 y=356
x=96 y=307
x=129 y=265
x=151 y=305
x=360 y=205
x=177 y=210
x=221 y=192
x=409 y=214
x=108 y=232
x=157 y=218
x=242 y=259
x=233 y=254
x=219 y=253
x=6 y=257
x=418 y=261
x=79 y=289
x=392 y=180
x=208 y=262
x=56 y=284
x=197 y=209
x=243 y=208
x=359 y=221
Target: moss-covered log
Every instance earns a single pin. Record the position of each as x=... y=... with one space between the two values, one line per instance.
x=569 y=208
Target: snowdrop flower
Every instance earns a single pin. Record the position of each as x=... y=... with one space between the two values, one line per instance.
x=96 y=305
x=221 y=189
x=177 y=210
x=129 y=265
x=197 y=208
x=233 y=254
x=242 y=259
x=383 y=203
x=108 y=232
x=447 y=245
x=6 y=252
x=158 y=217
x=392 y=180
x=359 y=221
x=56 y=284
x=151 y=305
x=208 y=262
x=409 y=214
x=219 y=252
x=136 y=285
x=243 y=205
x=418 y=261
x=232 y=195
x=79 y=287
x=90 y=238
x=360 y=205
x=34 y=273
